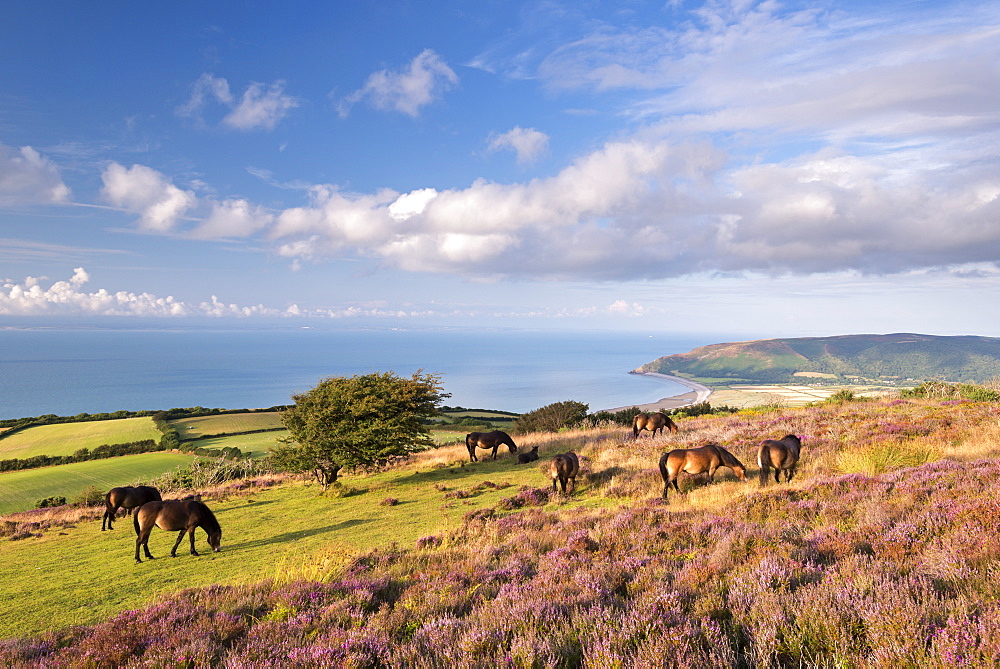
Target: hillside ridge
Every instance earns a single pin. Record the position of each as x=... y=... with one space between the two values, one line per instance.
x=887 y=358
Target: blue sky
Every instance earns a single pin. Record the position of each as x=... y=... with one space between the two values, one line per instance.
x=763 y=168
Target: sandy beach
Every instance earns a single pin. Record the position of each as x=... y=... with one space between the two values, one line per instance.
x=697 y=394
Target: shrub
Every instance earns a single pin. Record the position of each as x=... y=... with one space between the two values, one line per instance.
x=49 y=502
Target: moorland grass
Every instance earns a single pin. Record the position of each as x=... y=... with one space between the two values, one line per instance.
x=81 y=575
x=66 y=438
x=829 y=570
x=19 y=490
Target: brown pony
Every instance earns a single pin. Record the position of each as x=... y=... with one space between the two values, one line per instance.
x=781 y=454
x=126 y=498
x=530 y=456
x=652 y=422
x=699 y=460
x=177 y=516
x=563 y=469
x=488 y=440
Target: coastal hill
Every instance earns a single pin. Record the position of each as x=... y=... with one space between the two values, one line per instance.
x=886 y=359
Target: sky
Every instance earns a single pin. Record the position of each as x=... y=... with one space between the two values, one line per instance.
x=765 y=168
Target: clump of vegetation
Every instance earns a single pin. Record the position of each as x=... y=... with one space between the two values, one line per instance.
x=942 y=390
x=551 y=417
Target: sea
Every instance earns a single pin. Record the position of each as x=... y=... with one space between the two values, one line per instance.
x=71 y=371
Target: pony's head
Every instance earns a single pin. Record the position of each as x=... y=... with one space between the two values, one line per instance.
x=215 y=540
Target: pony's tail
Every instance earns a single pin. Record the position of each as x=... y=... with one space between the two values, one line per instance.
x=762 y=463
x=135 y=521
x=635 y=431
x=664 y=474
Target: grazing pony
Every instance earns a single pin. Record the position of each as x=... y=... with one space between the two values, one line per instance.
x=530 y=456
x=175 y=516
x=488 y=440
x=699 y=460
x=782 y=455
x=126 y=498
x=652 y=422
x=563 y=469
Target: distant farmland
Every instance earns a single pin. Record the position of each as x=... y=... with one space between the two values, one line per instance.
x=19 y=491
x=66 y=438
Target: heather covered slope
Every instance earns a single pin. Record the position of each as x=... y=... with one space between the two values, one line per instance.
x=883 y=551
x=884 y=358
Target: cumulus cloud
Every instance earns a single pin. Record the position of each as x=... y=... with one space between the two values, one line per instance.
x=69 y=297
x=148 y=193
x=528 y=143
x=233 y=218
x=26 y=177
x=260 y=107
x=406 y=91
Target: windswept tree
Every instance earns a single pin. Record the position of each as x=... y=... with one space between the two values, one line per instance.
x=358 y=421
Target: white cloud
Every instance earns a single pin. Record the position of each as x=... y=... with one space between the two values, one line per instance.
x=233 y=218
x=406 y=91
x=148 y=193
x=528 y=143
x=260 y=107
x=28 y=178
x=65 y=298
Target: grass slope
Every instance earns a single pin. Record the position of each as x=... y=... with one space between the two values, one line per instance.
x=20 y=490
x=66 y=438
x=81 y=575
x=856 y=558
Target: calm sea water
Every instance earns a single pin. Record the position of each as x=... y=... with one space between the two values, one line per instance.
x=66 y=372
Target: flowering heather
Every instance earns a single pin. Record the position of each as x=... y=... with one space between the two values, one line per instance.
x=843 y=568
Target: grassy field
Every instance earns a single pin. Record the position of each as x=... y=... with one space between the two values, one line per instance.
x=254 y=445
x=81 y=575
x=206 y=426
x=65 y=438
x=21 y=489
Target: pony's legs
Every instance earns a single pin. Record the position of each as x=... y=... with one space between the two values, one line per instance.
x=143 y=540
x=180 y=535
x=191 y=534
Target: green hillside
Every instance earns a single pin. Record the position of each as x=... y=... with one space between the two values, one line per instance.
x=893 y=358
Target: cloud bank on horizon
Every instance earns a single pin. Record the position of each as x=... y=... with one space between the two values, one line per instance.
x=733 y=138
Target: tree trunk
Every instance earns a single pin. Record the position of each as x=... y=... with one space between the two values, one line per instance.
x=327 y=476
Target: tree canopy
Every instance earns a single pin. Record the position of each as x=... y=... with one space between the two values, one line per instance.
x=359 y=420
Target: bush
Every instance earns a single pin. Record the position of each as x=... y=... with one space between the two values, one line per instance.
x=90 y=496
x=50 y=502
x=552 y=417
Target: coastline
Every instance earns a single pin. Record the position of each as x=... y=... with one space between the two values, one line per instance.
x=696 y=394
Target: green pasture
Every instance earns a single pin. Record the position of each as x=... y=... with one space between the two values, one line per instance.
x=230 y=423
x=20 y=490
x=80 y=575
x=255 y=445
x=66 y=438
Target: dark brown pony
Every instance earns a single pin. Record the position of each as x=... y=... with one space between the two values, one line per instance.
x=530 y=456
x=652 y=422
x=126 y=498
x=563 y=469
x=781 y=454
x=175 y=516
x=699 y=460
x=488 y=440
